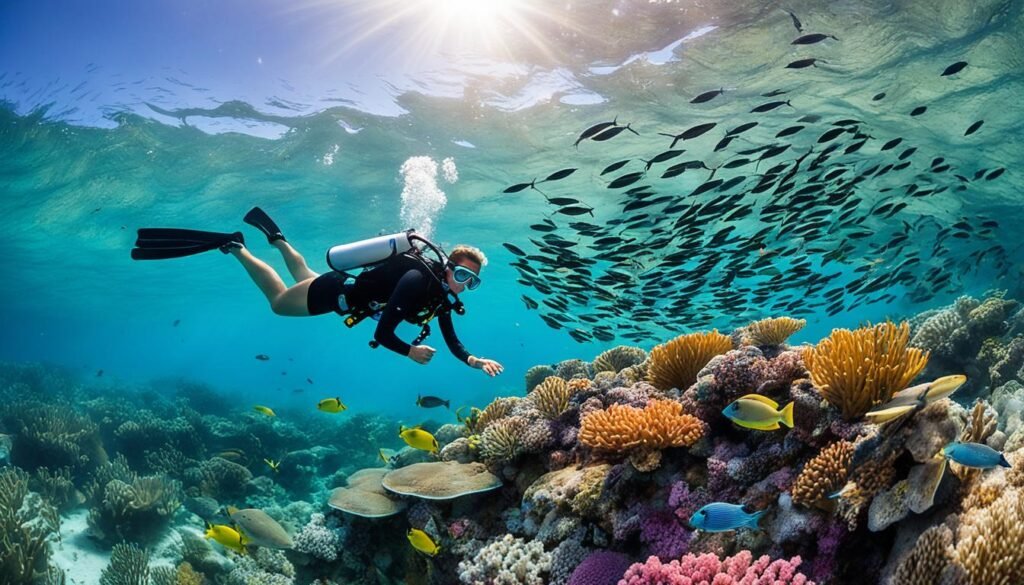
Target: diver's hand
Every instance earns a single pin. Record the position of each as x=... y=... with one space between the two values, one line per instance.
x=490 y=367
x=421 y=354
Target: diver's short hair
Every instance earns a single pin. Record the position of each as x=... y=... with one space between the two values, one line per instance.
x=469 y=252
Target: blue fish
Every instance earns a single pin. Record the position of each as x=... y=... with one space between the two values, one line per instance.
x=974 y=455
x=722 y=517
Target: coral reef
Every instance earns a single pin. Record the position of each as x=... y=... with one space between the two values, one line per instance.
x=773 y=331
x=675 y=364
x=507 y=561
x=26 y=525
x=823 y=474
x=856 y=370
x=708 y=568
x=618 y=358
x=629 y=430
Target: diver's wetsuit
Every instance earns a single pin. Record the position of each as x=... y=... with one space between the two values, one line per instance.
x=407 y=288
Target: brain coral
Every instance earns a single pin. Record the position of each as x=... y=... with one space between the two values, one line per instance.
x=675 y=364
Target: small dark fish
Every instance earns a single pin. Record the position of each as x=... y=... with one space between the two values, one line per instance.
x=707 y=96
x=974 y=127
x=176 y=323
x=789 y=131
x=918 y=110
x=625 y=180
x=576 y=211
x=705 y=187
x=770 y=106
x=99 y=374
x=689 y=133
x=262 y=357
x=559 y=175
x=804 y=63
x=741 y=129
x=954 y=68
x=796 y=21
x=812 y=38
x=892 y=144
x=283 y=373
x=724 y=143
x=667 y=155
x=519 y=187
x=530 y=303
x=878 y=96
x=614 y=166
x=831 y=135
x=514 y=249
x=593 y=130
x=613 y=132
x=309 y=381
x=774 y=93
x=298 y=390
x=907 y=153
x=995 y=174
x=542 y=227
x=431 y=402
x=562 y=200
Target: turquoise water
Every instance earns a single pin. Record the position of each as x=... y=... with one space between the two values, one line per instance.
x=147 y=117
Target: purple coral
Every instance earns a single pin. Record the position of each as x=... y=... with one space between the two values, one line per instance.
x=600 y=568
x=707 y=569
x=664 y=534
x=686 y=501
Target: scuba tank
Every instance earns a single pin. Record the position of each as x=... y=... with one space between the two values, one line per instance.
x=344 y=257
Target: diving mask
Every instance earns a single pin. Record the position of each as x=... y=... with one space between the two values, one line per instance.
x=465 y=276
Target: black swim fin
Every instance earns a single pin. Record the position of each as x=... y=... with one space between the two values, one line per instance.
x=261 y=221
x=164 y=243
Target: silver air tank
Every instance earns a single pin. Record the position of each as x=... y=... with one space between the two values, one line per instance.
x=366 y=252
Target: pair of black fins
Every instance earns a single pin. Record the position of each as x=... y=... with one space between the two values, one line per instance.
x=164 y=243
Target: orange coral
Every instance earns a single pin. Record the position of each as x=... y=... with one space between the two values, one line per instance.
x=856 y=370
x=675 y=364
x=772 y=331
x=824 y=474
x=661 y=424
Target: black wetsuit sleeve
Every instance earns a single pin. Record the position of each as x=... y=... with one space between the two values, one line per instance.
x=403 y=299
x=448 y=330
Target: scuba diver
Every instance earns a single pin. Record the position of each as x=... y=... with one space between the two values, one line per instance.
x=399 y=281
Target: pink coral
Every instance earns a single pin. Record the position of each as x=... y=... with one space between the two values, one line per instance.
x=707 y=569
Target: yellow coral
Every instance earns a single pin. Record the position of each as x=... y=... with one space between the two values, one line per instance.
x=551 y=397
x=658 y=425
x=618 y=358
x=675 y=364
x=856 y=370
x=927 y=560
x=189 y=576
x=824 y=474
x=498 y=408
x=579 y=384
x=989 y=549
x=772 y=331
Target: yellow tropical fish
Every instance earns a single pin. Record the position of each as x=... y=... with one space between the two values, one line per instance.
x=418 y=438
x=332 y=405
x=909 y=399
x=272 y=464
x=760 y=413
x=422 y=542
x=264 y=410
x=386 y=454
x=227 y=536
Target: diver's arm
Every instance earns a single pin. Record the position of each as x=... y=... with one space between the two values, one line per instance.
x=451 y=340
x=490 y=367
x=409 y=287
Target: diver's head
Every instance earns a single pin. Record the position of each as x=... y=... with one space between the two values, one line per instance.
x=463 y=269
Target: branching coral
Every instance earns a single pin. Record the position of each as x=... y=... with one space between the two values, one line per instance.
x=56 y=486
x=772 y=331
x=129 y=565
x=823 y=474
x=856 y=370
x=988 y=548
x=618 y=358
x=708 y=568
x=537 y=374
x=25 y=527
x=137 y=510
x=53 y=437
x=926 y=561
x=625 y=429
x=501 y=441
x=551 y=397
x=675 y=364
x=498 y=408
x=507 y=561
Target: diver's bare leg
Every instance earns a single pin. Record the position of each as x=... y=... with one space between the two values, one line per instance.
x=283 y=301
x=296 y=263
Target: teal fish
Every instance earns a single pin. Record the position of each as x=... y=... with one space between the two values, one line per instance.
x=974 y=455
x=722 y=517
